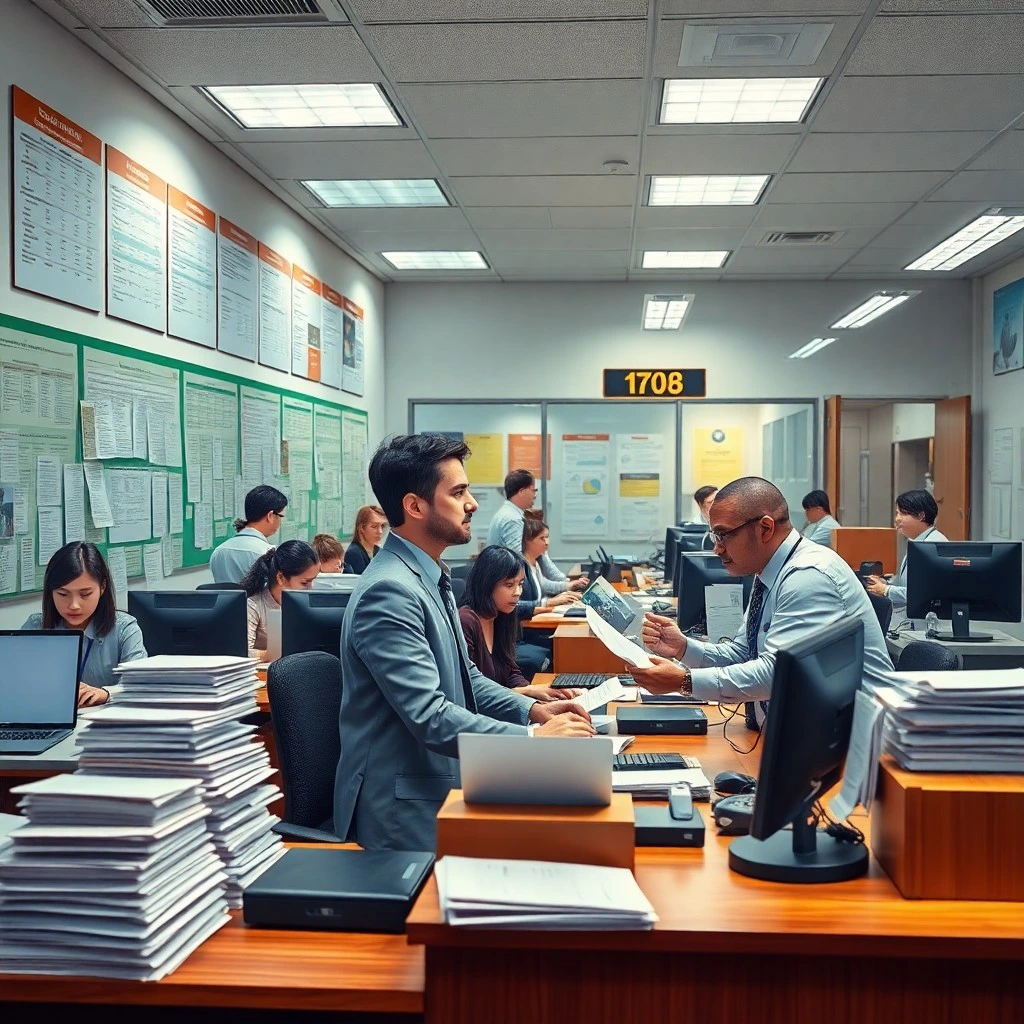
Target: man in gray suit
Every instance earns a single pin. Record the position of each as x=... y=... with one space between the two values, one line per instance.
x=408 y=686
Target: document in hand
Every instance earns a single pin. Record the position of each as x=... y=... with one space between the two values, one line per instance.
x=625 y=649
x=610 y=689
x=540 y=895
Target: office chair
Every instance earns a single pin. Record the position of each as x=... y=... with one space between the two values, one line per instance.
x=304 y=692
x=458 y=589
x=925 y=656
x=460 y=572
x=883 y=609
x=218 y=586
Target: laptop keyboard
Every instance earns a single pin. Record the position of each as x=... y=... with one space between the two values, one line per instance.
x=653 y=762
x=582 y=680
x=27 y=734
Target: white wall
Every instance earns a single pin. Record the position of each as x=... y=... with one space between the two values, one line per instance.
x=912 y=420
x=45 y=60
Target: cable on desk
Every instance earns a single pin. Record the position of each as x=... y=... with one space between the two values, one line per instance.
x=727 y=718
x=843 y=831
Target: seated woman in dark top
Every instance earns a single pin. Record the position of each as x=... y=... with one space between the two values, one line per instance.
x=490 y=623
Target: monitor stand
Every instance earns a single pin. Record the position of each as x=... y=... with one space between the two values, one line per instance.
x=804 y=855
x=962 y=627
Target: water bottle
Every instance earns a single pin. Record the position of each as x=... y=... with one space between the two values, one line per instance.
x=931 y=624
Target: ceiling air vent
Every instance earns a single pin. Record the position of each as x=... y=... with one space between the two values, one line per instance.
x=791 y=44
x=801 y=238
x=233 y=12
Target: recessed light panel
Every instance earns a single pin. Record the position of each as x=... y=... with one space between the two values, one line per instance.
x=436 y=259
x=872 y=309
x=679 y=259
x=665 y=312
x=816 y=345
x=981 y=234
x=378 y=192
x=706 y=189
x=736 y=100
x=359 y=105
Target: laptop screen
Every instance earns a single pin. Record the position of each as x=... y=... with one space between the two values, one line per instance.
x=40 y=678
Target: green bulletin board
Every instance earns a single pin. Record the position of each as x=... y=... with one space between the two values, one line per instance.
x=157 y=429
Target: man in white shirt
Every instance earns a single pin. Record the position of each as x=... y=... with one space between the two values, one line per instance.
x=264 y=511
x=820 y=522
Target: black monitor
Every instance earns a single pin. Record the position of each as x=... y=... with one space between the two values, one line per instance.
x=207 y=622
x=963 y=581
x=806 y=738
x=672 y=535
x=696 y=571
x=311 y=621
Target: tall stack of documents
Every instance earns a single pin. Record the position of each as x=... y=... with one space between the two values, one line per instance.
x=540 y=895
x=955 y=721
x=114 y=877
x=178 y=716
x=654 y=785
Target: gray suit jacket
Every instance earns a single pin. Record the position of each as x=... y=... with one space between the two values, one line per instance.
x=403 y=707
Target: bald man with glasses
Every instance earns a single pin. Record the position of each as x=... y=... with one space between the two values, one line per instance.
x=799 y=587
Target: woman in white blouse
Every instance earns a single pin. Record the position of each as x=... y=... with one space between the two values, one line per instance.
x=292 y=565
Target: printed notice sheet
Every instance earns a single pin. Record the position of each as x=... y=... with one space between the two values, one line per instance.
x=192 y=269
x=136 y=242
x=638 y=462
x=211 y=430
x=352 y=349
x=306 y=303
x=261 y=437
x=275 y=308
x=585 y=504
x=238 y=291
x=330 y=337
x=354 y=464
x=58 y=205
x=327 y=465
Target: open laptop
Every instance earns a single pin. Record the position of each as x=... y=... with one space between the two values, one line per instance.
x=38 y=688
x=517 y=770
x=620 y=611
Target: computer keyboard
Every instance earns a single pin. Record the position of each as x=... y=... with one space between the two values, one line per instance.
x=653 y=762
x=27 y=734
x=583 y=680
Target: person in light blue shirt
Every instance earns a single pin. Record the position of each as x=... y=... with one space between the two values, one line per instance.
x=264 y=512
x=916 y=512
x=506 y=530
x=820 y=522
x=78 y=593
x=799 y=587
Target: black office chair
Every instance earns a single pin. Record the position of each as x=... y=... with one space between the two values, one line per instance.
x=460 y=572
x=304 y=692
x=218 y=586
x=926 y=656
x=883 y=609
x=458 y=589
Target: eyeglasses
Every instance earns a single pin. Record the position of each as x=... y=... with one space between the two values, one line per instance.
x=280 y=515
x=718 y=536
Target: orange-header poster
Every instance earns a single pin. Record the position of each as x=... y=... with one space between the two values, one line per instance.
x=45 y=119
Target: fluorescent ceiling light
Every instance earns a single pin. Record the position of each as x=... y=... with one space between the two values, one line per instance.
x=706 y=189
x=680 y=259
x=811 y=347
x=736 y=100
x=981 y=234
x=872 y=309
x=305 y=106
x=437 y=259
x=379 y=192
x=665 y=312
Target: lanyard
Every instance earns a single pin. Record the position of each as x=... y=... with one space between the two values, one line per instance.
x=760 y=611
x=85 y=657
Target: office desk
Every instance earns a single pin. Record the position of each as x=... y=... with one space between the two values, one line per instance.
x=576 y=649
x=1003 y=651
x=16 y=769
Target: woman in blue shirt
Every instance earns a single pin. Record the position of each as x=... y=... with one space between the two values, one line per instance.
x=78 y=593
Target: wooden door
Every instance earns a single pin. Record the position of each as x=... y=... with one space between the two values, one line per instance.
x=953 y=466
x=833 y=434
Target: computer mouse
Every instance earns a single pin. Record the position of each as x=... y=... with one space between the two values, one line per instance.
x=734 y=782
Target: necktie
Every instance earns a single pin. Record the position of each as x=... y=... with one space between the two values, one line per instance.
x=444 y=585
x=754 y=610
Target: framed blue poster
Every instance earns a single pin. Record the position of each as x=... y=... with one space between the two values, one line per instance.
x=1008 y=328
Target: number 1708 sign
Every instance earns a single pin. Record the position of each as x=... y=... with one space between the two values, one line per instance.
x=655 y=384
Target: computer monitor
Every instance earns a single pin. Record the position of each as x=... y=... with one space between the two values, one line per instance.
x=964 y=581
x=807 y=734
x=311 y=621
x=207 y=622
x=672 y=535
x=697 y=570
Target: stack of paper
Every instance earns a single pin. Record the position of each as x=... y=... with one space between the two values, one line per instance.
x=178 y=716
x=112 y=877
x=654 y=785
x=540 y=895
x=955 y=721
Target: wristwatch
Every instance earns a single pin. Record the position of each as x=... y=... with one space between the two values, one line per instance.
x=686 y=686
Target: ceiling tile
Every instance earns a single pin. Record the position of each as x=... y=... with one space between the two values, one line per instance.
x=517 y=51
x=483 y=217
x=110 y=13
x=565 y=238
x=951 y=215
x=250 y=56
x=847 y=238
x=914 y=237
x=325 y=160
x=567 y=190
x=417 y=12
x=942 y=103
x=934 y=45
x=553 y=260
x=396 y=239
x=591 y=216
x=723 y=8
x=697 y=239
x=442 y=218
x=821 y=260
x=695 y=216
x=716 y=154
x=861 y=187
x=469 y=157
x=994 y=187
x=525 y=109
x=1006 y=153
x=886 y=151
x=825 y=216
